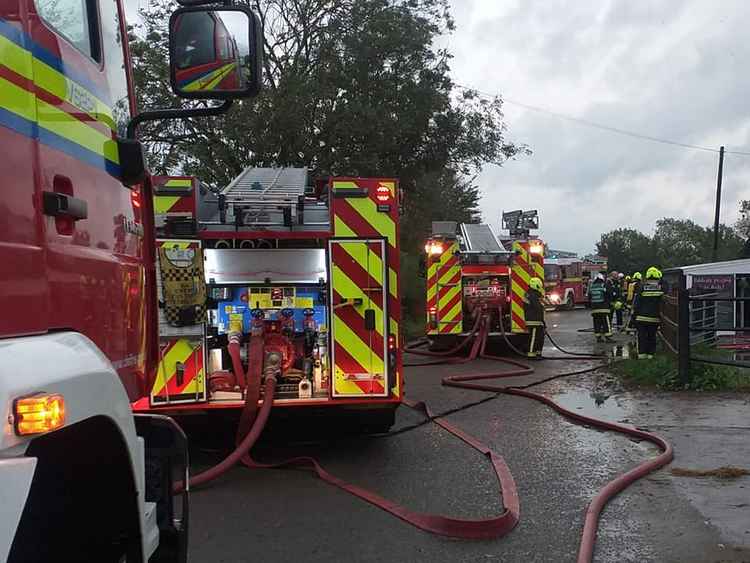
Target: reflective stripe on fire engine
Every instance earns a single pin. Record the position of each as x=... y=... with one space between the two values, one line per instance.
x=342 y=230
x=358 y=217
x=444 y=292
x=163 y=203
x=359 y=355
x=345 y=286
x=44 y=99
x=519 y=284
x=190 y=355
x=210 y=80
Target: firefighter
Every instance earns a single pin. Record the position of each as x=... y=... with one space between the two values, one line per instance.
x=533 y=310
x=647 y=313
x=599 y=301
x=615 y=299
x=633 y=288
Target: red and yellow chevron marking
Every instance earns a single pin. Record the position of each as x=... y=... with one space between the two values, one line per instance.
x=181 y=201
x=520 y=274
x=525 y=266
x=444 y=291
x=192 y=388
x=537 y=265
x=365 y=209
x=359 y=354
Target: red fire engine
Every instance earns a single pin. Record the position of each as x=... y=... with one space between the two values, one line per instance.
x=563 y=282
x=304 y=270
x=470 y=270
x=82 y=479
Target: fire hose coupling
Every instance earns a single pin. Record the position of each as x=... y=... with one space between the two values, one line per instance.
x=234 y=334
x=272 y=365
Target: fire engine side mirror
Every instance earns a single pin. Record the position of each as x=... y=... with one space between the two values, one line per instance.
x=215 y=53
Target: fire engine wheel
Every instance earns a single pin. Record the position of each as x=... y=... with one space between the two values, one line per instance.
x=570 y=302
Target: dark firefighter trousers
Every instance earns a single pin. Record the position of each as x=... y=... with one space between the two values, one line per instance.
x=536 y=339
x=646 y=338
x=617 y=316
x=602 y=324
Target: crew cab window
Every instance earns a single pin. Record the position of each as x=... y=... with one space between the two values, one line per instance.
x=222 y=38
x=195 y=31
x=75 y=20
x=114 y=64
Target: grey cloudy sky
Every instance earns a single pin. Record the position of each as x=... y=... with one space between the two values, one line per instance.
x=673 y=69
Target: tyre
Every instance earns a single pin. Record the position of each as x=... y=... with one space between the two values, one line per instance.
x=570 y=302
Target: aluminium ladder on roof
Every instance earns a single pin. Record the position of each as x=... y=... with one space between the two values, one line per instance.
x=267 y=185
x=275 y=198
x=480 y=238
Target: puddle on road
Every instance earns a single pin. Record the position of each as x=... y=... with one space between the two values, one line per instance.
x=599 y=403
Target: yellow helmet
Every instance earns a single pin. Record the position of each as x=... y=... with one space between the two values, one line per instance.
x=653 y=273
x=536 y=283
x=637 y=276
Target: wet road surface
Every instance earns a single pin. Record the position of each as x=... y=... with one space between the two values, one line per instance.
x=290 y=515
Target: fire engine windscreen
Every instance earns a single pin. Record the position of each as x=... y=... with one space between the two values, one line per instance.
x=279 y=296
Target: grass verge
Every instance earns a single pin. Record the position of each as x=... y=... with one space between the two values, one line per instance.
x=661 y=373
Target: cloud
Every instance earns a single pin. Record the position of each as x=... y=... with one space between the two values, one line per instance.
x=669 y=69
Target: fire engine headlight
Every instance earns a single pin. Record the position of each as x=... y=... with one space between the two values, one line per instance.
x=554 y=297
x=536 y=249
x=434 y=248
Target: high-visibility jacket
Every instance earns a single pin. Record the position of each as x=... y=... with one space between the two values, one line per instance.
x=533 y=308
x=599 y=297
x=647 y=305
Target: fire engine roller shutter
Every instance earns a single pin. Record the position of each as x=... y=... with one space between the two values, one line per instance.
x=368 y=209
x=180 y=374
x=183 y=355
x=357 y=292
x=444 y=292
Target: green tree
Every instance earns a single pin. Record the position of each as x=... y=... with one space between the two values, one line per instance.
x=627 y=250
x=352 y=87
x=676 y=242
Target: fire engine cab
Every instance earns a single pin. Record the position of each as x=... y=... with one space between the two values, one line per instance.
x=278 y=264
x=81 y=478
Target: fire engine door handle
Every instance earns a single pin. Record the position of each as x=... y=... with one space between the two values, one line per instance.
x=63 y=205
x=369 y=319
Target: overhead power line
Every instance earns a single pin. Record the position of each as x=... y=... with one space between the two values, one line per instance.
x=595 y=125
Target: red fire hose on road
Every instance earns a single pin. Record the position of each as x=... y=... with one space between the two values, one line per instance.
x=591 y=521
x=458 y=528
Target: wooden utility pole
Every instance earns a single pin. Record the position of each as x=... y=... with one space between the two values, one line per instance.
x=718 y=204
